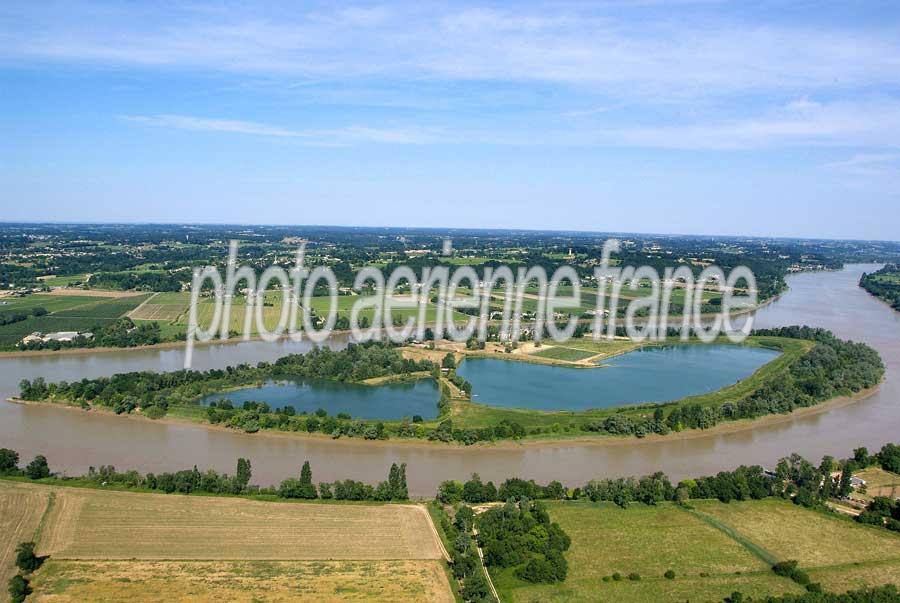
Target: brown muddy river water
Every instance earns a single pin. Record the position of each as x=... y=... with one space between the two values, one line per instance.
x=73 y=440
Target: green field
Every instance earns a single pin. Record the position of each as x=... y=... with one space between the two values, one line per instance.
x=558 y=352
x=647 y=541
x=709 y=563
x=171 y=310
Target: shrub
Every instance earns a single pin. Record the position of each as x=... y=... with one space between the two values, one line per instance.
x=634 y=577
x=18 y=589
x=155 y=412
x=785 y=568
x=669 y=575
x=26 y=560
x=617 y=576
x=38 y=468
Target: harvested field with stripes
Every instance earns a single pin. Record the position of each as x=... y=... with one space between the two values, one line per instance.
x=110 y=546
x=89 y=524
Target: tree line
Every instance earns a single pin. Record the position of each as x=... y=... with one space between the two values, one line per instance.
x=793 y=478
x=194 y=481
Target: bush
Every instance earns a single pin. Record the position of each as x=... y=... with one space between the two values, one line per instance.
x=669 y=575
x=617 y=576
x=26 y=560
x=38 y=468
x=18 y=589
x=634 y=577
x=154 y=412
x=785 y=568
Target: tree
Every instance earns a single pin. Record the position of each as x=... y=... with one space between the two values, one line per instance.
x=402 y=492
x=449 y=362
x=845 y=486
x=243 y=473
x=26 y=560
x=38 y=468
x=18 y=589
x=450 y=492
x=475 y=588
x=307 y=488
x=890 y=458
x=9 y=460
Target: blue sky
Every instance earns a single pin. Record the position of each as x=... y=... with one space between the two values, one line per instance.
x=763 y=118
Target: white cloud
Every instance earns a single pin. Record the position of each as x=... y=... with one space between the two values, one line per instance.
x=340 y=136
x=868 y=165
x=860 y=123
x=649 y=55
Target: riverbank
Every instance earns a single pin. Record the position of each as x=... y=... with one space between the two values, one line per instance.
x=543 y=440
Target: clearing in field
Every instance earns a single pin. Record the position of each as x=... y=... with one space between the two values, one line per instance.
x=647 y=541
x=879 y=482
x=246 y=581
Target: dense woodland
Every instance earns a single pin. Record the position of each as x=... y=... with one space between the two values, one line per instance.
x=884 y=284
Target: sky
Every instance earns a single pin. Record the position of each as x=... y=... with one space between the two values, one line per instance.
x=698 y=117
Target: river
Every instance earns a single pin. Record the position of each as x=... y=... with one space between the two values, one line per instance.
x=73 y=440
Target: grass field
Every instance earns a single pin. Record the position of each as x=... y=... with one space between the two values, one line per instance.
x=812 y=538
x=559 y=352
x=575 y=350
x=650 y=540
x=113 y=546
x=647 y=541
x=879 y=482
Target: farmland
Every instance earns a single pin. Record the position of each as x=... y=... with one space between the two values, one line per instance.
x=20 y=514
x=222 y=548
x=65 y=313
x=173 y=308
x=708 y=563
x=87 y=524
x=214 y=581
